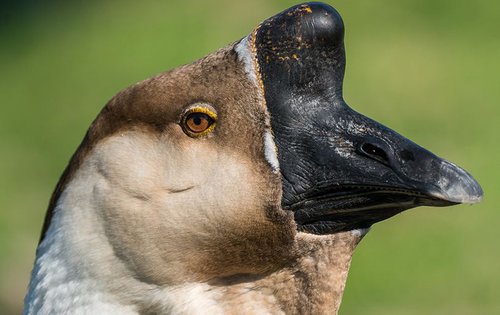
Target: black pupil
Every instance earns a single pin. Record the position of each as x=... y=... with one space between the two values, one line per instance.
x=197 y=120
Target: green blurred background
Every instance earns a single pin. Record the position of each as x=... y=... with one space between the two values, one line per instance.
x=427 y=68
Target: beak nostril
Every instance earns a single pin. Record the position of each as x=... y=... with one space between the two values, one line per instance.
x=374 y=152
x=407 y=155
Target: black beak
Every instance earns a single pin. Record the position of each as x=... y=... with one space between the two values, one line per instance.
x=341 y=170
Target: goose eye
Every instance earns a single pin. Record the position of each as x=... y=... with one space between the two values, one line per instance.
x=198 y=122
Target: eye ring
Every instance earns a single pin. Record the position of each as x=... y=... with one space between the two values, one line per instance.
x=198 y=121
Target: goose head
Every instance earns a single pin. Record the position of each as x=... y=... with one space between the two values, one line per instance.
x=244 y=167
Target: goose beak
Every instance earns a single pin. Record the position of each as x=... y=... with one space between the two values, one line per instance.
x=456 y=185
x=340 y=169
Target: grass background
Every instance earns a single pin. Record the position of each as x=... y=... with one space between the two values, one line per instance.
x=427 y=68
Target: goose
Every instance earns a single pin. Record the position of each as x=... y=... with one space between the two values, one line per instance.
x=238 y=184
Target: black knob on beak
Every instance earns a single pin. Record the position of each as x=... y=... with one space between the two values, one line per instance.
x=302 y=48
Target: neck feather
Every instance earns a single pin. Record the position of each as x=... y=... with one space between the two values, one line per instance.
x=313 y=284
x=78 y=271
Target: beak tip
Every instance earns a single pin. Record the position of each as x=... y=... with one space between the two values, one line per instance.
x=466 y=198
x=473 y=195
x=456 y=185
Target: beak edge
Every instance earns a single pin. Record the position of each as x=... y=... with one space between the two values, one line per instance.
x=456 y=185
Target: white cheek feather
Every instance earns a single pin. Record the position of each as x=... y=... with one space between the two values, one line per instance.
x=270 y=151
x=246 y=56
